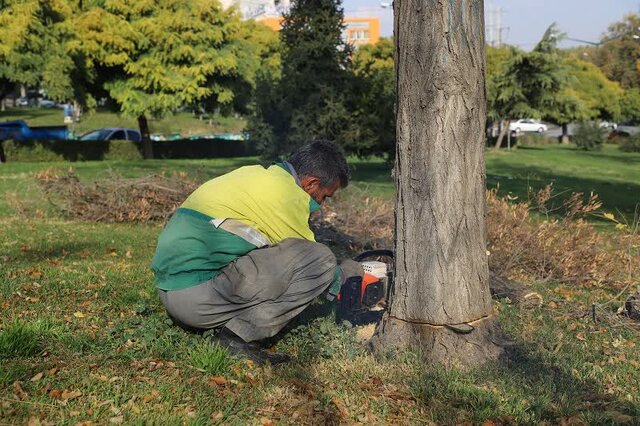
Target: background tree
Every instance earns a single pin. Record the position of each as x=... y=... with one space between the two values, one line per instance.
x=630 y=105
x=618 y=56
x=599 y=95
x=535 y=84
x=374 y=94
x=309 y=99
x=441 y=272
x=36 y=48
x=155 y=57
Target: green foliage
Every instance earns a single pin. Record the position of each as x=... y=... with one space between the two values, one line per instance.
x=374 y=92
x=599 y=96
x=37 y=47
x=155 y=57
x=123 y=150
x=630 y=105
x=210 y=357
x=631 y=144
x=588 y=136
x=309 y=100
x=619 y=53
x=29 y=151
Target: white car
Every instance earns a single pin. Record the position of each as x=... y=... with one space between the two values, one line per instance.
x=527 y=125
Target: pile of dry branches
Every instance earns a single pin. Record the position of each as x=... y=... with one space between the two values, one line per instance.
x=116 y=199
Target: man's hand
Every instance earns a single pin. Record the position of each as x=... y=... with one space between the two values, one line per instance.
x=348 y=268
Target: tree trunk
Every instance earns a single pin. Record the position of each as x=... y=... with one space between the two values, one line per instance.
x=565 y=134
x=503 y=132
x=441 y=271
x=147 y=147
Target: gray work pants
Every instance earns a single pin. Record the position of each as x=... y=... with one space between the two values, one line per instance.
x=259 y=293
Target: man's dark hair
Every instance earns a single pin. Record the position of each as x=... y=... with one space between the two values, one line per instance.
x=322 y=159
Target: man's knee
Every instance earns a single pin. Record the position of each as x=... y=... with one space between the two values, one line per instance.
x=315 y=253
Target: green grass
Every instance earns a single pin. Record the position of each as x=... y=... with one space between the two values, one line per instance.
x=611 y=174
x=80 y=317
x=182 y=122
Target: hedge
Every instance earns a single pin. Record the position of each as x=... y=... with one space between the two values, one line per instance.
x=74 y=150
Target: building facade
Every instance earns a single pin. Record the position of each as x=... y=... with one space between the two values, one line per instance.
x=358 y=30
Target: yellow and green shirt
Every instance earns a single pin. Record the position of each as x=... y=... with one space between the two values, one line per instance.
x=192 y=249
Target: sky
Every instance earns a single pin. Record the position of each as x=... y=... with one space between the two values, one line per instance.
x=524 y=21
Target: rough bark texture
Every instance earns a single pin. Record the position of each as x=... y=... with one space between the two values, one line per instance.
x=441 y=269
x=503 y=131
x=147 y=148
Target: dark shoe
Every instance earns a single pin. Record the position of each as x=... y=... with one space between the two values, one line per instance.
x=235 y=346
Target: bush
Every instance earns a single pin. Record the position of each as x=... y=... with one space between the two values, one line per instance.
x=29 y=152
x=123 y=150
x=589 y=136
x=631 y=144
x=534 y=139
x=75 y=150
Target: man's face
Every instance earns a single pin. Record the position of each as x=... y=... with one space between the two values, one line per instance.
x=318 y=192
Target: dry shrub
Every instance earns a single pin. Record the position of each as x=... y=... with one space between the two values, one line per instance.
x=116 y=199
x=558 y=244
x=563 y=247
x=366 y=222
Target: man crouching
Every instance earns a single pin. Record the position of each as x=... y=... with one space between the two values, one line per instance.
x=238 y=255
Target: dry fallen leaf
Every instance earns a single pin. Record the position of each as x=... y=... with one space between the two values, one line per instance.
x=266 y=422
x=116 y=420
x=217 y=416
x=218 y=380
x=37 y=377
x=580 y=336
x=70 y=395
x=342 y=410
x=78 y=314
x=55 y=393
x=19 y=392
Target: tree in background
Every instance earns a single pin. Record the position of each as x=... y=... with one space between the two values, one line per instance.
x=535 y=84
x=309 y=100
x=155 y=57
x=618 y=57
x=37 y=48
x=600 y=96
x=374 y=94
x=630 y=105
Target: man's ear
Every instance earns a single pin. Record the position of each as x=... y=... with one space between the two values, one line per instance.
x=309 y=183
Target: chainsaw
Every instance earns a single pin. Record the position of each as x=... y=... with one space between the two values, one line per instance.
x=364 y=299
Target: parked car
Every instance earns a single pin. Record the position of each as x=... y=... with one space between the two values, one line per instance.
x=527 y=125
x=22 y=102
x=112 y=134
x=18 y=130
x=46 y=103
x=608 y=125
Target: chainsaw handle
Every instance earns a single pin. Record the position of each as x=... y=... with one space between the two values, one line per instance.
x=373 y=253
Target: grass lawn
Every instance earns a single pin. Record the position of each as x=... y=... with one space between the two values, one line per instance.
x=184 y=122
x=84 y=339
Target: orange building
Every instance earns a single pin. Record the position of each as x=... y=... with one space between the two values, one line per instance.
x=357 y=31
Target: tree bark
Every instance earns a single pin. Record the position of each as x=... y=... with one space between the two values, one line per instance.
x=565 y=134
x=441 y=270
x=503 y=132
x=147 y=147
